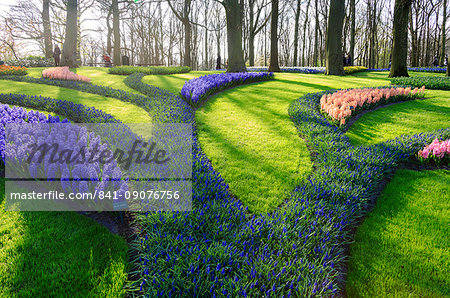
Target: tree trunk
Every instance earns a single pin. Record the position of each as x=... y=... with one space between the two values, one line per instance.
x=69 y=52
x=47 y=29
x=352 y=29
x=187 y=33
x=273 y=65
x=116 y=30
x=187 y=43
x=251 y=35
x=444 y=23
x=234 y=15
x=316 y=36
x=335 y=64
x=372 y=33
x=414 y=43
x=304 y=32
x=296 y=27
x=108 y=34
x=206 y=37
x=400 y=34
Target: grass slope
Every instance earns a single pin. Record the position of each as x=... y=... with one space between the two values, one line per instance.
x=401 y=249
x=252 y=142
x=175 y=82
x=126 y=112
x=98 y=76
x=246 y=131
x=58 y=254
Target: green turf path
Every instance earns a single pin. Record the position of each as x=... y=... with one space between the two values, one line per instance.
x=98 y=76
x=124 y=111
x=401 y=249
x=251 y=141
x=58 y=254
x=246 y=131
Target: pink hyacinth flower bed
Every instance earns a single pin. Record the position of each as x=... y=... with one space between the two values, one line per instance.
x=63 y=73
x=438 y=152
x=341 y=105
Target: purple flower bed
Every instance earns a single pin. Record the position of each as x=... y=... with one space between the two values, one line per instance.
x=197 y=90
x=20 y=115
x=310 y=70
x=417 y=69
x=217 y=250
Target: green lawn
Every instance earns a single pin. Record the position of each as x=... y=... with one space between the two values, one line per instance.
x=401 y=249
x=246 y=131
x=175 y=82
x=124 y=111
x=402 y=118
x=251 y=141
x=98 y=76
x=58 y=254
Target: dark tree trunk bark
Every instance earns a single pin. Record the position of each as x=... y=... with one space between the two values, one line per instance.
x=400 y=34
x=69 y=52
x=335 y=64
x=251 y=49
x=206 y=37
x=304 y=32
x=251 y=35
x=187 y=33
x=109 y=34
x=414 y=43
x=187 y=43
x=47 y=29
x=316 y=36
x=116 y=30
x=234 y=15
x=296 y=27
x=443 y=36
x=273 y=65
x=352 y=29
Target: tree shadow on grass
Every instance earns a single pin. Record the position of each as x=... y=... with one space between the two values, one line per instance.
x=407 y=117
x=58 y=254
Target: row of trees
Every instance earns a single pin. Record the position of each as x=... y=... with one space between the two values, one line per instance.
x=196 y=32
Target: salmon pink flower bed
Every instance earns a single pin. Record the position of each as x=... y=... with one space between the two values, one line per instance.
x=342 y=104
x=63 y=73
x=437 y=152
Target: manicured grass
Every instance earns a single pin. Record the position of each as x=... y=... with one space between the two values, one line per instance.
x=175 y=82
x=401 y=249
x=403 y=118
x=251 y=141
x=246 y=131
x=98 y=76
x=58 y=254
x=126 y=112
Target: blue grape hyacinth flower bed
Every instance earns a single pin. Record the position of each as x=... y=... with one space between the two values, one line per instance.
x=195 y=91
x=297 y=69
x=417 y=69
x=219 y=249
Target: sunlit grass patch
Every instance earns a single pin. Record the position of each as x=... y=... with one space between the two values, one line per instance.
x=401 y=249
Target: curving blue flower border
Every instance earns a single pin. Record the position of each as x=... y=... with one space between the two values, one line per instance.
x=219 y=249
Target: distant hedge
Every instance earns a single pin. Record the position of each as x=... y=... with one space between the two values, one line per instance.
x=31 y=61
x=440 y=83
x=150 y=70
x=354 y=69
